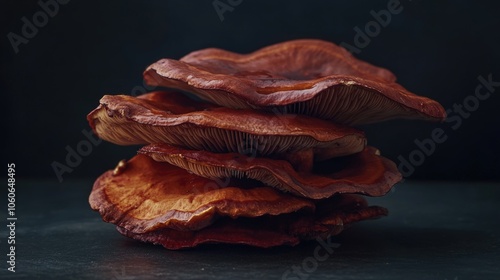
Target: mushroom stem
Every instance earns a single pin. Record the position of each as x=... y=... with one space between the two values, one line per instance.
x=302 y=160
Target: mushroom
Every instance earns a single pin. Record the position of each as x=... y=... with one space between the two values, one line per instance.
x=160 y=203
x=366 y=172
x=310 y=77
x=170 y=117
x=277 y=133
x=268 y=231
x=147 y=195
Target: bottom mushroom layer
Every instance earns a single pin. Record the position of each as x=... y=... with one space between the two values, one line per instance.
x=266 y=231
x=160 y=203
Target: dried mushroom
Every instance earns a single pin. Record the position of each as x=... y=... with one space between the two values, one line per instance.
x=310 y=77
x=270 y=161
x=160 y=203
x=169 y=117
x=269 y=231
x=146 y=195
x=366 y=172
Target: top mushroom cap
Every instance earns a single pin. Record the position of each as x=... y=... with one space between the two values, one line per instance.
x=310 y=77
x=171 y=118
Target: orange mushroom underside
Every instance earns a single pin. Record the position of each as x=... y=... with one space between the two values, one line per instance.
x=160 y=203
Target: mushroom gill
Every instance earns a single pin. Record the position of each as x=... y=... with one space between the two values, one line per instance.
x=169 y=117
x=365 y=173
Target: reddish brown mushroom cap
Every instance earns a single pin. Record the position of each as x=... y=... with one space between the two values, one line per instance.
x=309 y=77
x=269 y=231
x=143 y=195
x=167 y=117
x=365 y=173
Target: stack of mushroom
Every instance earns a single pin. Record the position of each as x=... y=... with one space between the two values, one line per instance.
x=268 y=158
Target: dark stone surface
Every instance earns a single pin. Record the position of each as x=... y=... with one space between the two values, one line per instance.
x=434 y=231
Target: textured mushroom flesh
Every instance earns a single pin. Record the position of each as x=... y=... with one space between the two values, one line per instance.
x=143 y=195
x=365 y=173
x=268 y=231
x=170 y=117
x=310 y=77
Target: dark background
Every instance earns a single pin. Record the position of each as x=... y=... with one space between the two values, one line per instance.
x=92 y=48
